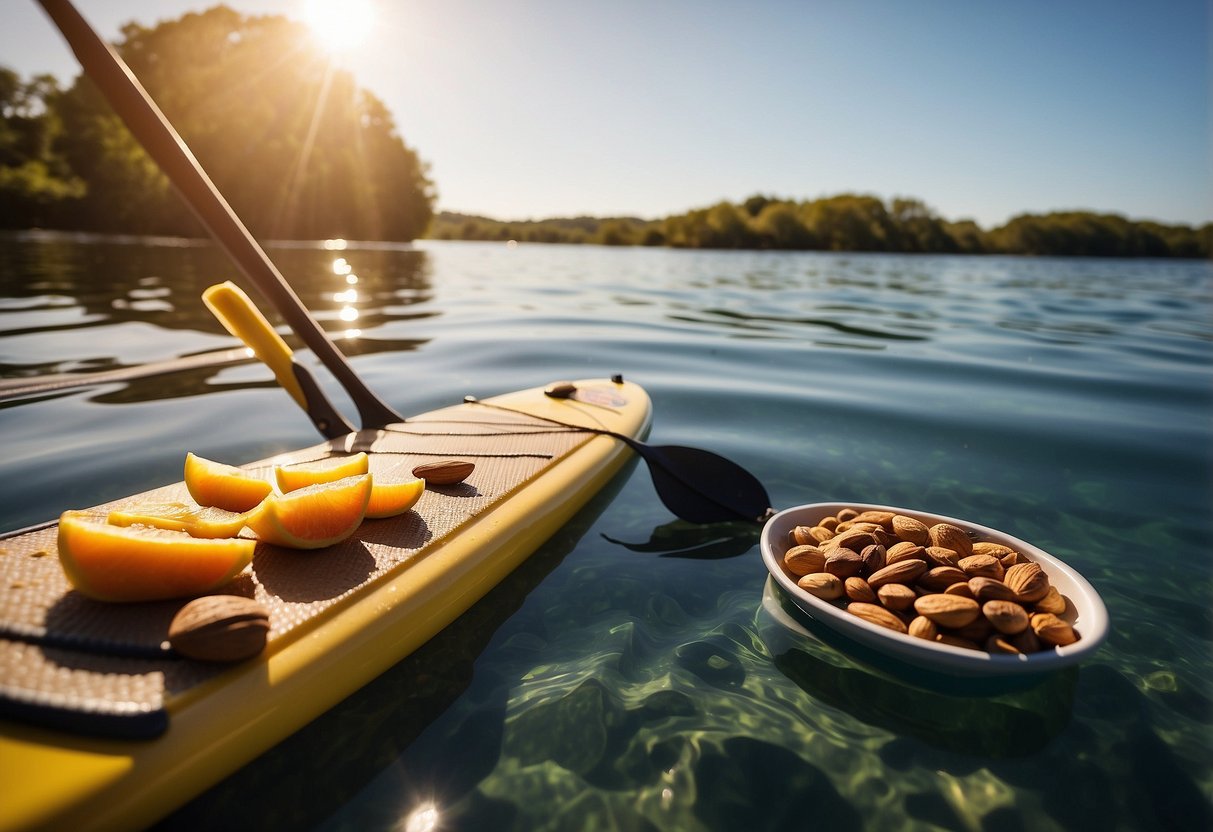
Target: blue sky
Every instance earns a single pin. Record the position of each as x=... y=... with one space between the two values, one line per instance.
x=541 y=108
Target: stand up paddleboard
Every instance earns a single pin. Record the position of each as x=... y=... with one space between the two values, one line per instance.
x=105 y=727
x=102 y=725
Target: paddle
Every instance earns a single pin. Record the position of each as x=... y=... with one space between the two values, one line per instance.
x=697 y=485
x=133 y=105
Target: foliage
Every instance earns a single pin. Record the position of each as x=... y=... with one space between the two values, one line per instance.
x=850 y=222
x=296 y=148
x=35 y=181
x=611 y=231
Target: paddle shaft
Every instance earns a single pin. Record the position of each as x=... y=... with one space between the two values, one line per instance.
x=161 y=141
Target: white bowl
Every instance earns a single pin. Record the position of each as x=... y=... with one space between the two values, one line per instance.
x=1086 y=613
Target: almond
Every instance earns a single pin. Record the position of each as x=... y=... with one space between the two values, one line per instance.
x=819 y=533
x=847 y=514
x=986 y=566
x=977 y=630
x=998 y=643
x=997 y=550
x=911 y=530
x=823 y=585
x=1052 y=630
x=902 y=572
x=942 y=556
x=445 y=471
x=941 y=577
x=800 y=536
x=843 y=562
x=802 y=560
x=896 y=597
x=947 y=536
x=1028 y=580
x=904 y=551
x=960 y=588
x=947 y=610
x=1026 y=642
x=878 y=616
x=220 y=628
x=880 y=518
x=854 y=539
x=923 y=627
x=857 y=589
x=1053 y=602
x=874 y=558
x=1007 y=617
x=989 y=589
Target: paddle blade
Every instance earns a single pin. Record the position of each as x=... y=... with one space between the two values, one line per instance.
x=702 y=487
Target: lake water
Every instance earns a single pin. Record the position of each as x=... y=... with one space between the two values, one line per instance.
x=629 y=675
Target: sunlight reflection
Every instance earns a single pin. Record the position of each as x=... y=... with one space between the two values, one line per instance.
x=342 y=266
x=335 y=245
x=348 y=296
x=351 y=334
x=424 y=818
x=349 y=313
x=351 y=279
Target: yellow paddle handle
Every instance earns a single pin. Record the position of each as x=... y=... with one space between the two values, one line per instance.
x=243 y=319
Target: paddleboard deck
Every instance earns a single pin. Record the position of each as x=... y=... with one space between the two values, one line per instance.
x=104 y=726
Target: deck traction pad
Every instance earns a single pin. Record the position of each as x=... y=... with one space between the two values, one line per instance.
x=106 y=669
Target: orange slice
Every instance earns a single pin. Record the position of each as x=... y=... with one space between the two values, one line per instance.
x=391 y=498
x=314 y=516
x=115 y=563
x=293 y=477
x=208 y=521
x=223 y=486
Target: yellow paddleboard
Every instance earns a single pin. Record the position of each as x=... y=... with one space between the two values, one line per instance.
x=338 y=616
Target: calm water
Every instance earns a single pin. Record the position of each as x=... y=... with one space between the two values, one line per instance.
x=629 y=676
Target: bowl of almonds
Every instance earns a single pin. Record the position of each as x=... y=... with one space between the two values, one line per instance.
x=945 y=594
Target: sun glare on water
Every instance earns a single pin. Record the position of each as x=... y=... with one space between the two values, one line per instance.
x=339 y=25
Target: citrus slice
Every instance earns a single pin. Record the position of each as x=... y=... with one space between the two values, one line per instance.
x=293 y=477
x=208 y=521
x=223 y=486
x=137 y=563
x=314 y=516
x=391 y=498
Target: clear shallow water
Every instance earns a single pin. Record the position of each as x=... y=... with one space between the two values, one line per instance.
x=629 y=675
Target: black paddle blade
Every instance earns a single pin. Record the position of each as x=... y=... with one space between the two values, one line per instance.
x=702 y=487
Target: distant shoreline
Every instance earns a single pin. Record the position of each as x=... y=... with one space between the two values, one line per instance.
x=849 y=222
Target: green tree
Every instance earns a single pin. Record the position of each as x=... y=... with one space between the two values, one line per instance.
x=298 y=150
x=36 y=184
x=779 y=225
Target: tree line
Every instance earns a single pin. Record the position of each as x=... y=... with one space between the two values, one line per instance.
x=293 y=144
x=850 y=222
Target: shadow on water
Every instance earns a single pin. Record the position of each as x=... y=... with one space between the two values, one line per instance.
x=994 y=718
x=711 y=541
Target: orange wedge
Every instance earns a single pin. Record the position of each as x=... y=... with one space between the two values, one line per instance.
x=391 y=498
x=113 y=563
x=223 y=486
x=294 y=477
x=208 y=521
x=314 y=516
x=291 y=478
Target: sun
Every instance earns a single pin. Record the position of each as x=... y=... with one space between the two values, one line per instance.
x=339 y=25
